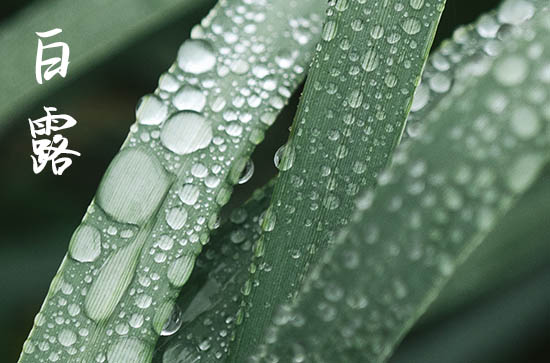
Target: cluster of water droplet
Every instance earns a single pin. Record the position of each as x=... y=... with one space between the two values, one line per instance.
x=425 y=216
x=159 y=199
x=465 y=54
x=208 y=315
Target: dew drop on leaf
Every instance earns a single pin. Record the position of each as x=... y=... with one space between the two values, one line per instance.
x=150 y=110
x=189 y=98
x=186 y=132
x=196 y=56
x=85 y=245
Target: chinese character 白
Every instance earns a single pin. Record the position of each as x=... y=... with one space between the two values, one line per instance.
x=56 y=65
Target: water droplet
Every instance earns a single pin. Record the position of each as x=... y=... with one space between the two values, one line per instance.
x=284 y=59
x=196 y=56
x=515 y=12
x=288 y=157
x=165 y=242
x=189 y=194
x=180 y=270
x=66 y=337
x=523 y=171
x=151 y=110
x=127 y=350
x=186 y=132
x=112 y=281
x=329 y=30
x=176 y=217
x=85 y=245
x=133 y=186
x=377 y=32
x=416 y=4
x=370 y=60
x=421 y=97
x=525 y=122
x=511 y=71
x=440 y=83
x=189 y=98
x=411 y=26
x=173 y=323
x=247 y=172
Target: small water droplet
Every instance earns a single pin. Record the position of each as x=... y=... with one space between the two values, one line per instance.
x=288 y=156
x=247 y=172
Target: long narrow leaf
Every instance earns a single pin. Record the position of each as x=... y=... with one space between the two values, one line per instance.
x=480 y=149
x=351 y=116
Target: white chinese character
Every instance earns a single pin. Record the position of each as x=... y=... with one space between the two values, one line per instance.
x=51 y=150
x=61 y=62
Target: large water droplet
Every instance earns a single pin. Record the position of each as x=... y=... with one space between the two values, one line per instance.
x=151 y=110
x=523 y=171
x=176 y=217
x=85 y=245
x=196 y=56
x=133 y=186
x=127 y=350
x=416 y=4
x=411 y=26
x=180 y=270
x=186 y=132
x=189 y=98
x=189 y=194
x=515 y=11
x=173 y=323
x=66 y=337
x=112 y=281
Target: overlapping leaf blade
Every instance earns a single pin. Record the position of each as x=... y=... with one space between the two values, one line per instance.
x=351 y=116
x=480 y=148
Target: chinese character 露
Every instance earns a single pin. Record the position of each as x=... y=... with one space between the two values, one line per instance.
x=56 y=65
x=55 y=150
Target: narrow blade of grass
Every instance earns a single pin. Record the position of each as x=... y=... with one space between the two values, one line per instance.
x=351 y=116
x=92 y=29
x=160 y=197
x=458 y=56
x=443 y=194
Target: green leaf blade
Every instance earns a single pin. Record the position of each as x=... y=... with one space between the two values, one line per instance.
x=351 y=116
x=442 y=195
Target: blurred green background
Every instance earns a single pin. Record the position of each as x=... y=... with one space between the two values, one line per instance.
x=495 y=310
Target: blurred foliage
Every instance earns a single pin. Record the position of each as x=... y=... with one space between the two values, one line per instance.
x=495 y=313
